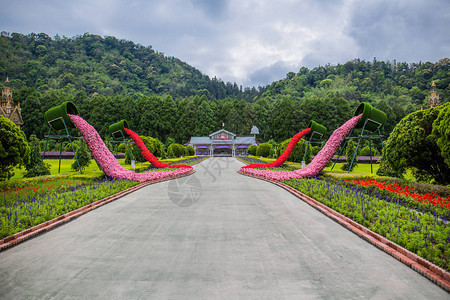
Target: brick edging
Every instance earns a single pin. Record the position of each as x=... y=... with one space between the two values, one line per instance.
x=29 y=233
x=427 y=269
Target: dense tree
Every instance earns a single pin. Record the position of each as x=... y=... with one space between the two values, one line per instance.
x=36 y=166
x=110 y=79
x=411 y=145
x=105 y=66
x=83 y=157
x=14 y=149
x=441 y=132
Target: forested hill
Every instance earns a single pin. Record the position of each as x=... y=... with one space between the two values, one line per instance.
x=110 y=79
x=361 y=80
x=105 y=66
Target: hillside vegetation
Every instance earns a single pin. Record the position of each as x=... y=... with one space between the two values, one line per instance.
x=111 y=79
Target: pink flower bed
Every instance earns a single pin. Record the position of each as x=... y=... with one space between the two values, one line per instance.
x=290 y=147
x=318 y=163
x=106 y=160
x=147 y=154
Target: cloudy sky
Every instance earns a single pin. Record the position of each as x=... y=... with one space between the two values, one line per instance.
x=251 y=42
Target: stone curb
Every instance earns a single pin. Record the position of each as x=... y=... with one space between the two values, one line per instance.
x=425 y=268
x=22 y=236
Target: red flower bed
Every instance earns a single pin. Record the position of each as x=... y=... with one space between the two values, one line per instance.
x=407 y=191
x=147 y=154
x=290 y=147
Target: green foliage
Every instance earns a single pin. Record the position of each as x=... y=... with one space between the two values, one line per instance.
x=14 y=149
x=68 y=147
x=36 y=166
x=175 y=150
x=412 y=145
x=170 y=153
x=189 y=150
x=153 y=145
x=350 y=151
x=315 y=150
x=83 y=156
x=252 y=149
x=264 y=150
x=111 y=79
x=104 y=66
x=51 y=201
x=122 y=148
x=365 y=151
x=298 y=152
x=441 y=132
x=418 y=231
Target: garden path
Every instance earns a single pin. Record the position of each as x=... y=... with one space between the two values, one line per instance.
x=214 y=234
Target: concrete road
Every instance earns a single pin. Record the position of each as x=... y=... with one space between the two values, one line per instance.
x=213 y=235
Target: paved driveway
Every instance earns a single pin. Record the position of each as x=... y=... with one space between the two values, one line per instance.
x=213 y=235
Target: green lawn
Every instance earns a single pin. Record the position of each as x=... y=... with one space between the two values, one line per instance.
x=92 y=169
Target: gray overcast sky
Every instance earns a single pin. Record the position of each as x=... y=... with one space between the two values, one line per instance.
x=251 y=42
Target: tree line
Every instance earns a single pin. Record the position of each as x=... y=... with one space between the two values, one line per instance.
x=111 y=79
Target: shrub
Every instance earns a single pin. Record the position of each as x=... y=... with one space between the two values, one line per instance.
x=441 y=132
x=315 y=150
x=153 y=145
x=176 y=150
x=366 y=151
x=68 y=147
x=36 y=166
x=350 y=151
x=189 y=150
x=122 y=148
x=264 y=150
x=297 y=153
x=411 y=145
x=14 y=149
x=83 y=156
x=252 y=149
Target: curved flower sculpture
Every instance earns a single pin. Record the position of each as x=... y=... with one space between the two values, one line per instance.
x=318 y=163
x=147 y=154
x=106 y=160
x=290 y=147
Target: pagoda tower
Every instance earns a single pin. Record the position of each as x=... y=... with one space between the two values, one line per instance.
x=7 y=108
x=433 y=98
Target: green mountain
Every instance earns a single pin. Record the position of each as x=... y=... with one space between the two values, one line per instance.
x=103 y=66
x=110 y=79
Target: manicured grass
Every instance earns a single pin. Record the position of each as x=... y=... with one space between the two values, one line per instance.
x=92 y=169
x=359 y=169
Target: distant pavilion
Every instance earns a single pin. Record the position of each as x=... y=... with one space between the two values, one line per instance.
x=222 y=143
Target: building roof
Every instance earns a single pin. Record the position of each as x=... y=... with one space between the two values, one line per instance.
x=235 y=140
x=223 y=131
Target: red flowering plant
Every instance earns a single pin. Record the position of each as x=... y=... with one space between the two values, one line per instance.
x=106 y=160
x=318 y=163
x=147 y=154
x=284 y=156
x=428 y=198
